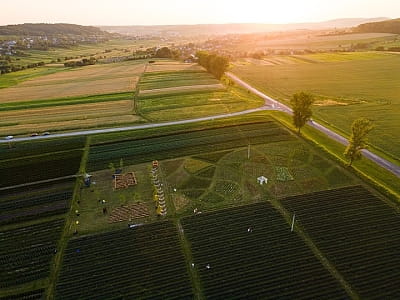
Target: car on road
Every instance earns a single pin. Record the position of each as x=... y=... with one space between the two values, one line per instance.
x=9 y=137
x=46 y=133
x=34 y=134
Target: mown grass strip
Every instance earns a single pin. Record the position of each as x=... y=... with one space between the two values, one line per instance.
x=65 y=101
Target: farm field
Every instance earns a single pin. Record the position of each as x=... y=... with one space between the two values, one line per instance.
x=205 y=170
x=177 y=92
x=29 y=248
x=209 y=175
x=89 y=80
x=29 y=162
x=358 y=233
x=351 y=89
x=91 y=96
x=141 y=263
x=42 y=167
x=316 y=41
x=249 y=253
x=170 y=66
x=109 y=49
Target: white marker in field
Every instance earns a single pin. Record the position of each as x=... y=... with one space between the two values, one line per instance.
x=293 y=220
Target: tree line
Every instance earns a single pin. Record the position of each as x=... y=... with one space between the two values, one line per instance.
x=301 y=104
x=390 y=26
x=213 y=63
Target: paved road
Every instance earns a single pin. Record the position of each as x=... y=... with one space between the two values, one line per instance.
x=279 y=106
x=270 y=104
x=133 y=127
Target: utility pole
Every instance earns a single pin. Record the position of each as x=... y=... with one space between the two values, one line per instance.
x=248 y=151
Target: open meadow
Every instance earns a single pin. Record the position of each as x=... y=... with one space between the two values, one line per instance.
x=347 y=86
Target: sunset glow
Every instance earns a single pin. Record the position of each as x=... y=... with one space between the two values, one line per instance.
x=126 y=12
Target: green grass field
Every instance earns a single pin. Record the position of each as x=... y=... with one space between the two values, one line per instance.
x=115 y=48
x=14 y=78
x=159 y=80
x=344 y=89
x=171 y=95
x=69 y=98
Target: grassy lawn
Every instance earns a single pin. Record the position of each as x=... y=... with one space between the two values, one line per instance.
x=91 y=204
x=345 y=90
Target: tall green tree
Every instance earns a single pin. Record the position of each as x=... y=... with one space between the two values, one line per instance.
x=213 y=63
x=358 y=139
x=301 y=105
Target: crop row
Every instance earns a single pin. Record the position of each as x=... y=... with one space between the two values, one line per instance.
x=36 y=212
x=35 y=207
x=356 y=231
x=144 y=262
x=176 y=145
x=26 y=252
x=249 y=252
x=48 y=166
x=40 y=147
x=31 y=295
x=33 y=201
x=173 y=79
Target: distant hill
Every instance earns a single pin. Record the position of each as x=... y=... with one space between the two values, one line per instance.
x=218 y=29
x=388 y=26
x=42 y=29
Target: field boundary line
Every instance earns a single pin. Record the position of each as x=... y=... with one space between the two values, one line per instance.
x=187 y=252
x=38 y=182
x=317 y=253
x=64 y=239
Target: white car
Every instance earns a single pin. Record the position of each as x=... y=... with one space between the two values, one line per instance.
x=9 y=137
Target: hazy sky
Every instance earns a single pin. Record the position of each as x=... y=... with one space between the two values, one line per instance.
x=160 y=12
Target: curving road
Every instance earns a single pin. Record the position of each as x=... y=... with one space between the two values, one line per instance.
x=270 y=104
x=395 y=169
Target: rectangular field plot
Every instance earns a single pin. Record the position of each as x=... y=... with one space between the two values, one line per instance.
x=40 y=147
x=249 y=252
x=29 y=208
x=32 y=295
x=89 y=80
x=358 y=233
x=181 y=144
x=26 y=252
x=145 y=262
x=44 y=167
x=173 y=95
x=159 y=80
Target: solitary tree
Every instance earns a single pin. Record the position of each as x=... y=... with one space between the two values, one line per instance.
x=301 y=105
x=358 y=139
